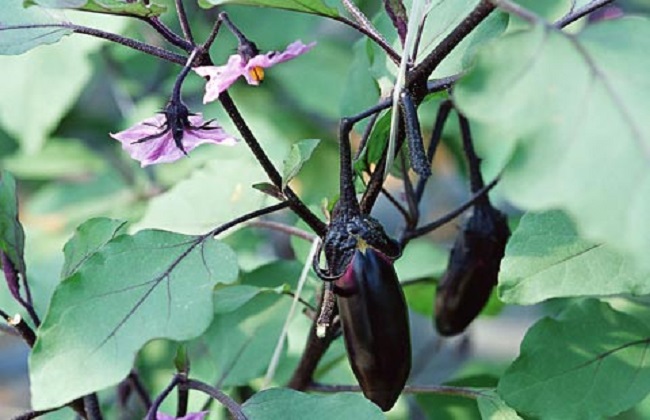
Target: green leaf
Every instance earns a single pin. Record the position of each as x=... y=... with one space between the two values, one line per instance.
x=585 y=125
x=316 y=7
x=375 y=145
x=59 y=158
x=17 y=34
x=238 y=345
x=493 y=408
x=589 y=363
x=89 y=238
x=12 y=236
x=283 y=403
x=139 y=8
x=188 y=209
x=43 y=98
x=546 y=258
x=299 y=154
x=153 y=284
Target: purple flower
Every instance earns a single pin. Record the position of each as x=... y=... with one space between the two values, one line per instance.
x=191 y=416
x=221 y=77
x=169 y=135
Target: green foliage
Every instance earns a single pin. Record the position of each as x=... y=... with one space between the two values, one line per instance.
x=286 y=403
x=12 y=236
x=492 y=407
x=316 y=7
x=546 y=258
x=559 y=142
x=588 y=363
x=133 y=289
x=139 y=8
x=299 y=154
x=18 y=31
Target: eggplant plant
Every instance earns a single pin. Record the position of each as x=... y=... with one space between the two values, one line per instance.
x=184 y=265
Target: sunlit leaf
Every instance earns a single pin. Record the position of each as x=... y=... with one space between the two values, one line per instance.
x=316 y=7
x=546 y=258
x=212 y=195
x=139 y=8
x=492 y=407
x=289 y=404
x=17 y=31
x=591 y=362
x=154 y=284
x=569 y=114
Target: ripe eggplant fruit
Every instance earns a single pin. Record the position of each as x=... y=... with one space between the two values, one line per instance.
x=374 y=317
x=472 y=270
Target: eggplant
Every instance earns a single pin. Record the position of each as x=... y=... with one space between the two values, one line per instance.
x=472 y=270
x=374 y=318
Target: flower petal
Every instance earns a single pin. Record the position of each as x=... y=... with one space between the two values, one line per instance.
x=221 y=77
x=163 y=149
x=272 y=58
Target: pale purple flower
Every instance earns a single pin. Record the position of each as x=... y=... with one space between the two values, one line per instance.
x=191 y=416
x=221 y=77
x=163 y=138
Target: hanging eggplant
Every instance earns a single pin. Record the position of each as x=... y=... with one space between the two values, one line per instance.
x=374 y=317
x=472 y=270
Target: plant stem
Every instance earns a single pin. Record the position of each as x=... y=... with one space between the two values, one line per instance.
x=423 y=230
x=294 y=202
x=155 y=405
x=581 y=12
x=409 y=389
x=182 y=20
x=231 y=405
x=281 y=227
x=392 y=54
x=315 y=348
x=91 y=405
x=416 y=80
x=168 y=34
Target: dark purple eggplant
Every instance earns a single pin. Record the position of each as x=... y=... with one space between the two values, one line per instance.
x=472 y=270
x=375 y=325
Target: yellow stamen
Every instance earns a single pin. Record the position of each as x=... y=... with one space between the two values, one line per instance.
x=257 y=73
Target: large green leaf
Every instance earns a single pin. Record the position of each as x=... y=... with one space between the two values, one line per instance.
x=18 y=40
x=569 y=114
x=316 y=7
x=546 y=258
x=589 y=363
x=279 y=403
x=139 y=8
x=12 y=236
x=154 y=284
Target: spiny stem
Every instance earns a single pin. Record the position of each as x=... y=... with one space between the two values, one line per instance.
x=416 y=79
x=473 y=161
